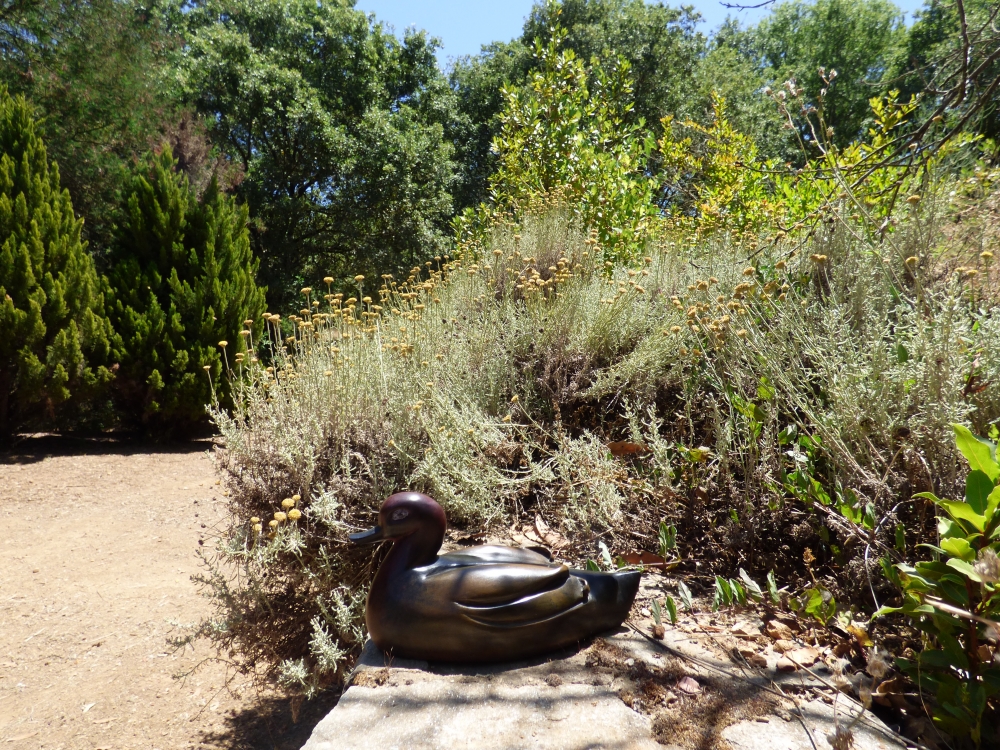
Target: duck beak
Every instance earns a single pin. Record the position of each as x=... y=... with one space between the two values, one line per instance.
x=372 y=536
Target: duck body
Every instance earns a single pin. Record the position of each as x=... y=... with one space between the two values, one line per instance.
x=482 y=604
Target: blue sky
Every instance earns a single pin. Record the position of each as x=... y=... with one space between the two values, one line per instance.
x=465 y=25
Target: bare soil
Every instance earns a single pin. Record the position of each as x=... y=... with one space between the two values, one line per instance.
x=97 y=552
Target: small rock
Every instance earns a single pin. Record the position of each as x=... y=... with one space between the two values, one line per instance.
x=778 y=631
x=757 y=660
x=689 y=685
x=658 y=633
x=645 y=612
x=805 y=657
x=669 y=697
x=554 y=680
x=743 y=627
x=782 y=645
x=786 y=665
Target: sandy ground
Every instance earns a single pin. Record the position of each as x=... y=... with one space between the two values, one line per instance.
x=97 y=551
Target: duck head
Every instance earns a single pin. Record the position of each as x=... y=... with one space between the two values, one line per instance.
x=410 y=516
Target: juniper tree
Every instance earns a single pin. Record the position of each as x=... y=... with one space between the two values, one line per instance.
x=182 y=280
x=55 y=337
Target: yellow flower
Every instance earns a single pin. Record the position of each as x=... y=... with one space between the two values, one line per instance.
x=273 y=524
x=675 y=329
x=506 y=418
x=913 y=199
x=749 y=271
x=986 y=255
x=912 y=261
x=295 y=514
x=359 y=278
x=742 y=333
x=328 y=280
x=306 y=289
x=255 y=520
x=280 y=516
x=223 y=344
x=287 y=503
x=258 y=528
x=514 y=399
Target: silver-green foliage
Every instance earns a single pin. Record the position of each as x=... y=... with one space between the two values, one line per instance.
x=495 y=384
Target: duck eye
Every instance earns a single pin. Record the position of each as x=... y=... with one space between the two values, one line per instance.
x=399 y=515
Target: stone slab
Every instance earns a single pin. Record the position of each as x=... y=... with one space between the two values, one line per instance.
x=561 y=703
x=821 y=720
x=552 y=705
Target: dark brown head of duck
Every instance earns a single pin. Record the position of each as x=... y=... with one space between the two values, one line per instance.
x=411 y=516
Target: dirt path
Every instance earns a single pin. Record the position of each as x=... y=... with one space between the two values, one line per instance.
x=96 y=556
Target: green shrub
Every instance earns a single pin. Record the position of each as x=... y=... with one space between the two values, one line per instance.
x=569 y=132
x=182 y=281
x=954 y=601
x=55 y=340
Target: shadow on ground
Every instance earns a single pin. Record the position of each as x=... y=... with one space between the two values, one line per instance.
x=28 y=449
x=268 y=725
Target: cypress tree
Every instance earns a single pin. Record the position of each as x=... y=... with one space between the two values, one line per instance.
x=55 y=337
x=183 y=279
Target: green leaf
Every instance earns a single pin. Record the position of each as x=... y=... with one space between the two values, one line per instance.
x=977 y=490
x=965 y=568
x=772 y=588
x=964 y=512
x=606 y=556
x=976 y=452
x=672 y=609
x=820 y=604
x=739 y=594
x=685 y=594
x=948 y=528
x=723 y=592
x=884 y=610
x=960 y=548
x=655 y=606
x=591 y=565
x=765 y=391
x=667 y=538
x=900 y=537
x=753 y=590
x=992 y=503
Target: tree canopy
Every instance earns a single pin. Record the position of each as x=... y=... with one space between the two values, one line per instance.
x=338 y=126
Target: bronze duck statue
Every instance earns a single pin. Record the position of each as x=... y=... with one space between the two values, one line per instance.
x=486 y=603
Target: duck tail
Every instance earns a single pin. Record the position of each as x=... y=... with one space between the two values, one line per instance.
x=628 y=587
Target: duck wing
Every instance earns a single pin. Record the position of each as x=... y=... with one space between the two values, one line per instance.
x=494 y=553
x=534 y=608
x=486 y=584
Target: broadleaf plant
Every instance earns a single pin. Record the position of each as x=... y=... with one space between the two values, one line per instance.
x=953 y=599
